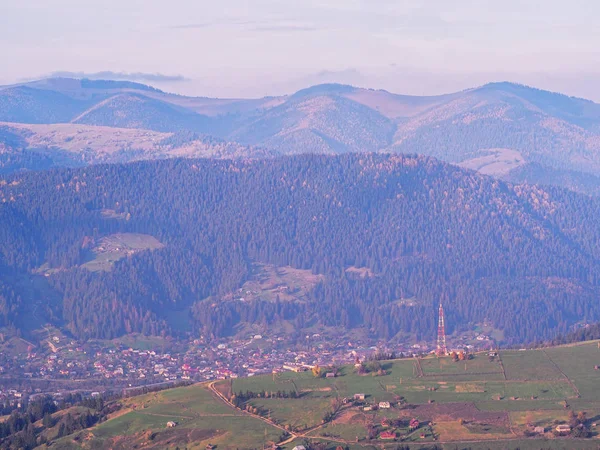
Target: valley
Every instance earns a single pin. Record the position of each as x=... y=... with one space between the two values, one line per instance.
x=323 y=225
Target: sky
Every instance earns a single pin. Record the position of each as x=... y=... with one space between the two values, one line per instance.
x=253 y=48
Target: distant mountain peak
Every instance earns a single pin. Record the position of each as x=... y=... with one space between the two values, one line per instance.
x=520 y=89
x=116 y=84
x=325 y=89
x=67 y=84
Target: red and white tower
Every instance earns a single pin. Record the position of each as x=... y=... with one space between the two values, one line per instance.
x=441 y=339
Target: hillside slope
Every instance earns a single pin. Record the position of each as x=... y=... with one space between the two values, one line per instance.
x=317 y=123
x=24 y=104
x=42 y=146
x=523 y=258
x=545 y=128
x=499 y=128
x=138 y=111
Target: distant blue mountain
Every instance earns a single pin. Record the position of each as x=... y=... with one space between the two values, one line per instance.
x=544 y=128
x=28 y=105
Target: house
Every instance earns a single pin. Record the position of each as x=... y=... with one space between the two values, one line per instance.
x=367 y=408
x=387 y=435
x=564 y=428
x=171 y=424
x=330 y=375
x=414 y=424
x=539 y=430
x=359 y=397
x=384 y=405
x=299 y=447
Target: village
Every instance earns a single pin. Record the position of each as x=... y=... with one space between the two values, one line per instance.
x=61 y=364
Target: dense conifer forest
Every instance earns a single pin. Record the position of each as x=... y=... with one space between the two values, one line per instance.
x=524 y=258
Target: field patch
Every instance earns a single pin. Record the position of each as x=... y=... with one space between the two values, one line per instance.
x=336 y=430
x=115 y=247
x=497 y=162
x=466 y=411
x=529 y=365
x=269 y=283
x=447 y=367
x=457 y=431
x=543 y=390
x=77 y=138
x=526 y=420
x=578 y=363
x=300 y=413
x=130 y=423
x=201 y=419
x=469 y=387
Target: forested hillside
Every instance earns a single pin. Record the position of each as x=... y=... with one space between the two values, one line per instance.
x=408 y=227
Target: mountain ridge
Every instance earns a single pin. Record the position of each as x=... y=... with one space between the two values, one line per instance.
x=425 y=228
x=546 y=129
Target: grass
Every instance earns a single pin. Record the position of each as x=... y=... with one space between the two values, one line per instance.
x=521 y=419
x=480 y=364
x=344 y=431
x=138 y=341
x=269 y=283
x=186 y=401
x=192 y=408
x=454 y=431
x=378 y=388
x=577 y=362
x=497 y=161
x=299 y=413
x=116 y=247
x=538 y=384
x=482 y=381
x=132 y=422
x=529 y=365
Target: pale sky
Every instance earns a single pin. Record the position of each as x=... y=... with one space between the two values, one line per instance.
x=268 y=47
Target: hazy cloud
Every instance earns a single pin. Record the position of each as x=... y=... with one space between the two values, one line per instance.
x=251 y=25
x=267 y=47
x=192 y=26
x=110 y=75
x=285 y=27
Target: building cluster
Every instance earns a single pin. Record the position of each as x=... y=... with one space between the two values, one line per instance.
x=101 y=365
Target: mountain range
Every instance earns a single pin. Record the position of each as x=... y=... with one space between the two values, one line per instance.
x=510 y=131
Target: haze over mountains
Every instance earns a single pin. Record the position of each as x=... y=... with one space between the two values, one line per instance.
x=510 y=131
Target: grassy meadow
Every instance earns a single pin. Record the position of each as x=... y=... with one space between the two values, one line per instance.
x=482 y=403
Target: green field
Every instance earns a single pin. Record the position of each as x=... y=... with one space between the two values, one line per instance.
x=115 y=247
x=446 y=367
x=577 y=362
x=529 y=365
x=477 y=404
